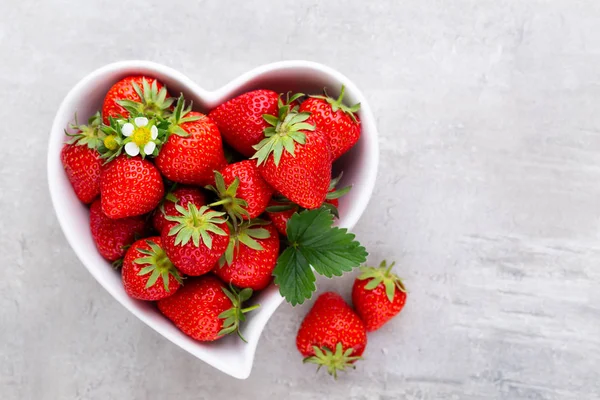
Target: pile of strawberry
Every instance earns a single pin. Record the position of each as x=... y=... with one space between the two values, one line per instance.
x=334 y=335
x=202 y=210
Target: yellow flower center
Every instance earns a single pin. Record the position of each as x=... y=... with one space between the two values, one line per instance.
x=141 y=136
x=110 y=142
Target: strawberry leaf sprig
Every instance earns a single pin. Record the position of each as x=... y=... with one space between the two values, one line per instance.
x=314 y=242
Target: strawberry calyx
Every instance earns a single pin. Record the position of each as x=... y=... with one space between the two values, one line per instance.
x=233 y=206
x=382 y=274
x=112 y=145
x=333 y=192
x=334 y=361
x=195 y=224
x=158 y=265
x=338 y=104
x=284 y=132
x=246 y=233
x=153 y=102
x=89 y=135
x=236 y=314
x=180 y=116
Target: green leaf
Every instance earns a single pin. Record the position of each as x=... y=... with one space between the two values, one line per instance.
x=314 y=241
x=294 y=277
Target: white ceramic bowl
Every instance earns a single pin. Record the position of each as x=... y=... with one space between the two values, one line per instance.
x=229 y=355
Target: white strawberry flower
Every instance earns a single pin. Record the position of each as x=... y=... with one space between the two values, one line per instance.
x=142 y=137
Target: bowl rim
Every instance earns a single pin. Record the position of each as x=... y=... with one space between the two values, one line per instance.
x=53 y=168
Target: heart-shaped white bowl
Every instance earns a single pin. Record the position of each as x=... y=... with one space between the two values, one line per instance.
x=229 y=355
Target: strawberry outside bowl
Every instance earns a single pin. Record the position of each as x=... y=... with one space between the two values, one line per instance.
x=359 y=165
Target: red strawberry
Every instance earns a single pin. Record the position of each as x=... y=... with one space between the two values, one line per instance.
x=300 y=165
x=193 y=150
x=333 y=202
x=112 y=236
x=279 y=213
x=337 y=121
x=378 y=295
x=195 y=238
x=251 y=256
x=80 y=159
x=130 y=186
x=243 y=192
x=138 y=95
x=205 y=309
x=334 y=194
x=331 y=335
x=147 y=272
x=280 y=209
x=182 y=195
x=240 y=120
x=82 y=166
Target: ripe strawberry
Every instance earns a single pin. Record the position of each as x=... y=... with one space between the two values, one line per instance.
x=333 y=195
x=251 y=255
x=240 y=120
x=331 y=335
x=205 y=309
x=279 y=213
x=337 y=121
x=280 y=209
x=80 y=159
x=138 y=95
x=82 y=166
x=378 y=295
x=182 y=195
x=146 y=262
x=193 y=150
x=112 y=236
x=300 y=167
x=243 y=192
x=130 y=186
x=195 y=238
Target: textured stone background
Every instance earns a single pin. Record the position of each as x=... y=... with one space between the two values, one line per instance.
x=487 y=196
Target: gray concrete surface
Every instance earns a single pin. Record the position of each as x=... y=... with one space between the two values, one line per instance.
x=487 y=196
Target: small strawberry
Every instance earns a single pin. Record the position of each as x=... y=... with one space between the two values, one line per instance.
x=294 y=158
x=241 y=121
x=136 y=95
x=280 y=209
x=251 y=255
x=205 y=309
x=80 y=159
x=147 y=272
x=193 y=150
x=242 y=191
x=338 y=122
x=130 y=186
x=331 y=335
x=112 y=236
x=334 y=194
x=280 y=212
x=182 y=195
x=195 y=238
x=378 y=295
